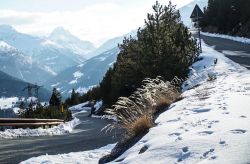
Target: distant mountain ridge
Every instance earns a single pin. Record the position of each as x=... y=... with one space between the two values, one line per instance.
x=69 y=41
x=112 y=43
x=12 y=87
x=53 y=54
x=83 y=76
x=90 y=72
x=21 y=66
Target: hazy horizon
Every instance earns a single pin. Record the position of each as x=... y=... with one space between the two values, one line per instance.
x=95 y=21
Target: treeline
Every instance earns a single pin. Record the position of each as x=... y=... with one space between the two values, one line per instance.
x=230 y=17
x=163 y=47
x=54 y=110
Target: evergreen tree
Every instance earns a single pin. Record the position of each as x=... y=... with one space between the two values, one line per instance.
x=164 y=47
x=22 y=108
x=74 y=99
x=228 y=17
x=56 y=98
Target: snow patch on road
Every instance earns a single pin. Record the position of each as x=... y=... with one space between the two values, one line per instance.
x=61 y=129
x=234 y=38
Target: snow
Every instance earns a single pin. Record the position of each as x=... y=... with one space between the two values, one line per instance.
x=5 y=45
x=61 y=129
x=78 y=74
x=50 y=43
x=98 y=105
x=211 y=124
x=234 y=38
x=80 y=107
x=54 y=85
x=7 y=103
x=31 y=99
x=111 y=64
x=83 y=90
x=73 y=82
x=102 y=58
x=49 y=70
x=85 y=157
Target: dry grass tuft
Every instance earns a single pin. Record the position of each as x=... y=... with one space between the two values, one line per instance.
x=140 y=126
x=135 y=114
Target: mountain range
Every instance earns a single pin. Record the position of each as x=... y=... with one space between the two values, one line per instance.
x=12 y=87
x=62 y=60
x=83 y=76
x=89 y=73
x=55 y=53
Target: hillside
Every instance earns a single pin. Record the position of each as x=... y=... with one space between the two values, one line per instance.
x=83 y=76
x=12 y=87
x=20 y=65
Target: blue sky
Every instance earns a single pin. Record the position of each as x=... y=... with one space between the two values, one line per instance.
x=93 y=20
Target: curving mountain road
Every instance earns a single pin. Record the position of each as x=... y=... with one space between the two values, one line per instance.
x=236 y=51
x=86 y=136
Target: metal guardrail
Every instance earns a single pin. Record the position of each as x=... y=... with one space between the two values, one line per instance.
x=29 y=122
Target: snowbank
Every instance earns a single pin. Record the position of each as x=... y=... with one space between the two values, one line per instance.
x=234 y=38
x=86 y=157
x=81 y=107
x=98 y=105
x=210 y=125
x=57 y=130
x=7 y=103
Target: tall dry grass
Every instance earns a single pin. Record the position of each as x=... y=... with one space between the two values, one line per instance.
x=135 y=114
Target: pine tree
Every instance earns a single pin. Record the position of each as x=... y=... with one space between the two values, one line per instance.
x=164 y=47
x=56 y=98
x=228 y=17
x=74 y=99
x=22 y=108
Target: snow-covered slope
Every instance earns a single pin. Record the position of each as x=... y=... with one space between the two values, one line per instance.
x=54 y=57
x=84 y=76
x=11 y=86
x=64 y=38
x=186 y=10
x=20 y=65
x=211 y=124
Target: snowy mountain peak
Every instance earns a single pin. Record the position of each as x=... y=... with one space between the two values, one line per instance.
x=63 y=37
x=7 y=29
x=60 y=33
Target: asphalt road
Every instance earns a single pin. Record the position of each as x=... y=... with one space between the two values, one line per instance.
x=236 y=51
x=86 y=136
